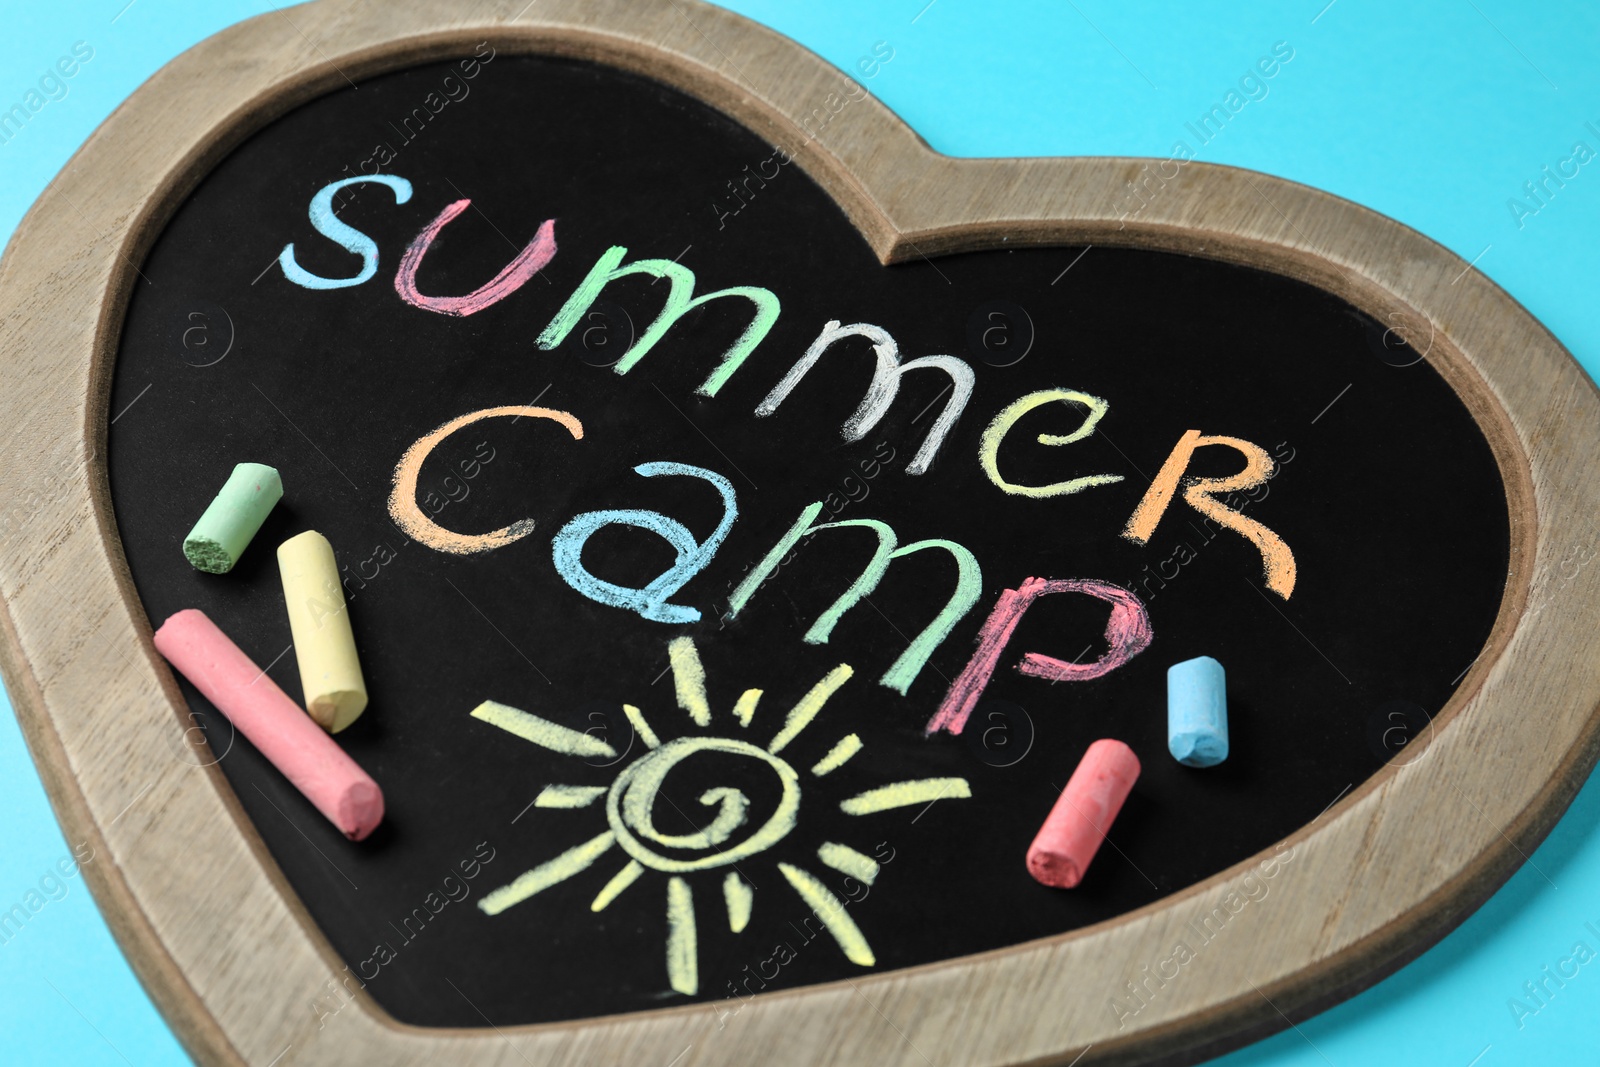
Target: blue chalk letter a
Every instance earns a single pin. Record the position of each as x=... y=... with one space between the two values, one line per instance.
x=651 y=601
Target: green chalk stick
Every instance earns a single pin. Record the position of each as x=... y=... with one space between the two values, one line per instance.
x=232 y=519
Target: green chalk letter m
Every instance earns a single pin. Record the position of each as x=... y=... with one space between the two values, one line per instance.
x=900 y=675
x=679 y=303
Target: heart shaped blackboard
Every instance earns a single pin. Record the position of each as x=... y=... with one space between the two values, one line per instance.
x=748 y=519
x=1382 y=487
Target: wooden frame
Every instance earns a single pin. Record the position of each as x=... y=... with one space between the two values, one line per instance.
x=211 y=926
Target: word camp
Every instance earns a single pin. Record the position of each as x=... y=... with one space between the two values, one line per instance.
x=1128 y=629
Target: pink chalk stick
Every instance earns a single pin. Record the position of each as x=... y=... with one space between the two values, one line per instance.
x=1082 y=815
x=278 y=727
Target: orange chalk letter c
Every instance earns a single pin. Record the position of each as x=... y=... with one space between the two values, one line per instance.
x=403 y=498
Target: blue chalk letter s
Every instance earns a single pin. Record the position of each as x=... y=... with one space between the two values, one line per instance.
x=342 y=234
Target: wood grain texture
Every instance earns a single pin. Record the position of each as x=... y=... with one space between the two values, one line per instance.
x=209 y=923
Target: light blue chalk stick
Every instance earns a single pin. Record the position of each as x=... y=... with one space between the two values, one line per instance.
x=1197 y=712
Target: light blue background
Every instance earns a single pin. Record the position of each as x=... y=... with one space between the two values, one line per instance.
x=1434 y=112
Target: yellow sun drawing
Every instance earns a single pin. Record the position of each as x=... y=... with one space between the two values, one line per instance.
x=630 y=802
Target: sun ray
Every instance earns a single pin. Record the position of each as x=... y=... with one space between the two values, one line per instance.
x=640 y=727
x=620 y=881
x=542 y=732
x=847 y=860
x=837 y=756
x=829 y=909
x=802 y=713
x=683 y=957
x=904 y=794
x=547 y=874
x=568 y=796
x=745 y=710
x=689 y=679
x=740 y=898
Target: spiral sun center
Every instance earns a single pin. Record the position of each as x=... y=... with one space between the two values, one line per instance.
x=727 y=834
x=630 y=807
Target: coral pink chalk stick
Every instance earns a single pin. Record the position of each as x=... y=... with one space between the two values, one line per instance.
x=276 y=725
x=1083 y=814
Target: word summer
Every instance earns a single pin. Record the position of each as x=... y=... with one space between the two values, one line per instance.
x=1128 y=629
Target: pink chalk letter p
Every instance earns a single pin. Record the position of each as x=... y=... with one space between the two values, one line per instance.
x=1127 y=632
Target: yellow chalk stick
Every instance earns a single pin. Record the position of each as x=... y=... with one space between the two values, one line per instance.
x=330 y=674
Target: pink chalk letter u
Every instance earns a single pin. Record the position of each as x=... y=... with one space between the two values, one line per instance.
x=528 y=263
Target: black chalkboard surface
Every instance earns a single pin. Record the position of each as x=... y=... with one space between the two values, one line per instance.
x=1384 y=488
